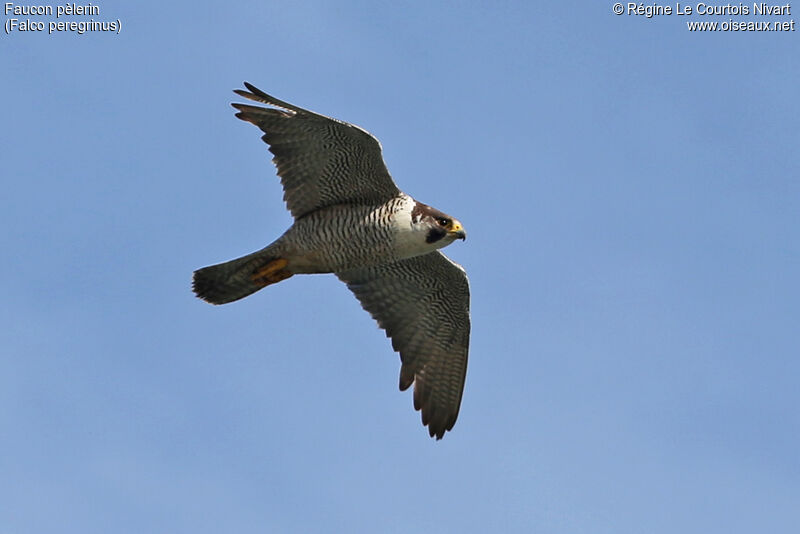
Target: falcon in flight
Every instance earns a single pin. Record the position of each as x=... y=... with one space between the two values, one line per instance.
x=350 y=219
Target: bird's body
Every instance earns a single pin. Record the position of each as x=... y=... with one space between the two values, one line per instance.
x=351 y=220
x=342 y=237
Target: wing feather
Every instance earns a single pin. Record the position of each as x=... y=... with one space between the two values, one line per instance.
x=423 y=304
x=321 y=161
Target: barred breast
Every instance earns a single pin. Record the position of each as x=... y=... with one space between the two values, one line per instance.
x=343 y=237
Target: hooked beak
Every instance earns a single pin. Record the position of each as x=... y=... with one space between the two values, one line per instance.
x=457 y=231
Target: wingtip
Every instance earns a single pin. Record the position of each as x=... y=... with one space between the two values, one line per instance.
x=257 y=93
x=250 y=87
x=437 y=429
x=254 y=93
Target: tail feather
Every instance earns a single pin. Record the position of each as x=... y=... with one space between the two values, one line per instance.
x=232 y=280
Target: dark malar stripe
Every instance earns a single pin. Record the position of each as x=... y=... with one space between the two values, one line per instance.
x=435 y=234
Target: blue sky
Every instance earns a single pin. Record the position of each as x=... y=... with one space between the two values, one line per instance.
x=630 y=190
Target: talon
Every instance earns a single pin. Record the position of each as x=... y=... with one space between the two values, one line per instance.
x=271 y=273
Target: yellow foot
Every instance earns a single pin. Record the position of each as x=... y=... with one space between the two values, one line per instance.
x=271 y=273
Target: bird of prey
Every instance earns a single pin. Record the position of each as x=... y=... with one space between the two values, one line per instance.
x=350 y=219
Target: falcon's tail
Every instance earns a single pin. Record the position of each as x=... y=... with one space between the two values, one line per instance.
x=236 y=279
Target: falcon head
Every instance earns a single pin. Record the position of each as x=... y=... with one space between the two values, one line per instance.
x=439 y=228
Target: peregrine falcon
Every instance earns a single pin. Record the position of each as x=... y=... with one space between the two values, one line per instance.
x=350 y=219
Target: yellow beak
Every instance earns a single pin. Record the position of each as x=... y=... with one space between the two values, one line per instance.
x=457 y=230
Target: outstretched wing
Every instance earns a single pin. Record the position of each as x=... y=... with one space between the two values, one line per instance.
x=321 y=161
x=423 y=304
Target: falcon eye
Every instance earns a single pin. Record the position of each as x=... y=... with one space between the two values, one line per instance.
x=442 y=221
